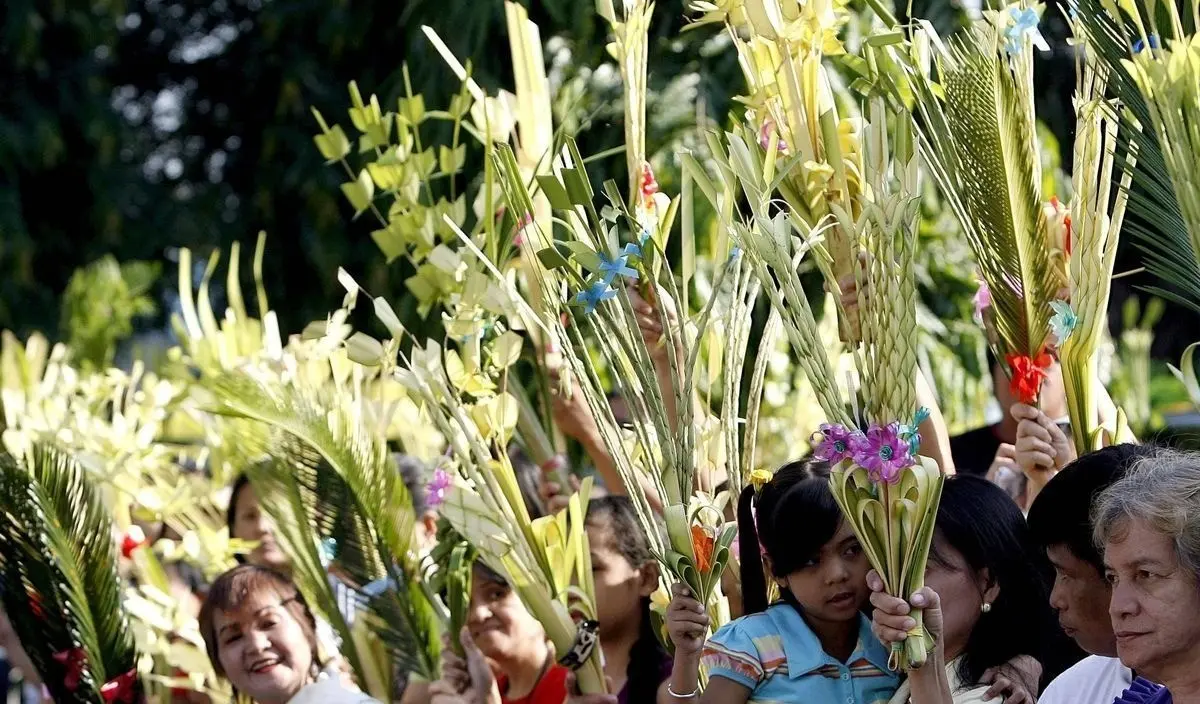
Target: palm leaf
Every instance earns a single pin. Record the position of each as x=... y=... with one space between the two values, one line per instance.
x=58 y=566
x=977 y=133
x=340 y=482
x=1155 y=219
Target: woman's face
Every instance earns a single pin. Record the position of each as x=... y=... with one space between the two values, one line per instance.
x=832 y=586
x=498 y=621
x=251 y=523
x=1155 y=606
x=265 y=652
x=620 y=586
x=962 y=591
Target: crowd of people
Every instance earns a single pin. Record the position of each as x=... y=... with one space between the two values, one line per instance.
x=1051 y=578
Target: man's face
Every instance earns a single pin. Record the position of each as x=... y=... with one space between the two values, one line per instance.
x=1080 y=596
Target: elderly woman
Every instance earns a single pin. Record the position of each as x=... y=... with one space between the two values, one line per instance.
x=1148 y=525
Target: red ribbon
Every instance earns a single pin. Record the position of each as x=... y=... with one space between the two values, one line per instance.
x=120 y=688
x=132 y=541
x=1028 y=374
x=74 y=660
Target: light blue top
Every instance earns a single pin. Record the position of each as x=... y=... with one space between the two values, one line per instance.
x=779 y=659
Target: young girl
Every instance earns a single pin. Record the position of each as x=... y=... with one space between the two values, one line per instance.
x=261 y=636
x=625 y=575
x=813 y=645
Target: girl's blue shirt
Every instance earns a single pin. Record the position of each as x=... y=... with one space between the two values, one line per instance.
x=779 y=659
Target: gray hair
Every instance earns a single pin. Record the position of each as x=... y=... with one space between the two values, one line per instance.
x=1164 y=491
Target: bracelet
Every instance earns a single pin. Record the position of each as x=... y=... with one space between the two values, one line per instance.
x=677 y=695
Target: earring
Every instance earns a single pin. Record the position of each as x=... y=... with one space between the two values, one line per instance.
x=985 y=607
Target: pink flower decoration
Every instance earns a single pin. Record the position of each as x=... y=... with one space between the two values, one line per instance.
x=837 y=443
x=438 y=487
x=883 y=452
x=982 y=300
x=764 y=137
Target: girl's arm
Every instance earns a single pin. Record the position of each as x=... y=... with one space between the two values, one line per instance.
x=687 y=624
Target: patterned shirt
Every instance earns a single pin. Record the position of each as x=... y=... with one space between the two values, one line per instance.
x=779 y=659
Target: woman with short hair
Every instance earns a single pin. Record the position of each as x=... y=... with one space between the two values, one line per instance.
x=1148 y=524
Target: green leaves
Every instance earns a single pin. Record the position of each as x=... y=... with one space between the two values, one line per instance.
x=332 y=142
x=59 y=565
x=360 y=191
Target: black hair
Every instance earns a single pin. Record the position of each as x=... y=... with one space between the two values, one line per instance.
x=796 y=515
x=529 y=479
x=242 y=481
x=1061 y=513
x=644 y=674
x=979 y=520
x=412 y=472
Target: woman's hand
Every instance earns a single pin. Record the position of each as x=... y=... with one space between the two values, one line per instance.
x=891 y=623
x=1042 y=448
x=650 y=324
x=687 y=622
x=571 y=412
x=1006 y=457
x=1016 y=680
x=472 y=676
x=891 y=620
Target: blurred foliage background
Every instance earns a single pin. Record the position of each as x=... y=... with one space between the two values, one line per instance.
x=130 y=128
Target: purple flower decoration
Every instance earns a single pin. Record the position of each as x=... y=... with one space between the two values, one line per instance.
x=883 y=452
x=837 y=443
x=437 y=487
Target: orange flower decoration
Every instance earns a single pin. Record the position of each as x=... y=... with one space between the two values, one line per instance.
x=1028 y=373
x=703 y=544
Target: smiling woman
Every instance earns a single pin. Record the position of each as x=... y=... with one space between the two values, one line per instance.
x=261 y=636
x=1149 y=526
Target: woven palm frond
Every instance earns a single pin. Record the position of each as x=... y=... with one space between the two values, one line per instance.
x=1156 y=220
x=1097 y=213
x=339 y=484
x=58 y=577
x=977 y=133
x=887 y=359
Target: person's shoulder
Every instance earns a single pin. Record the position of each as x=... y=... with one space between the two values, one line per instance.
x=747 y=650
x=1093 y=675
x=751 y=625
x=553 y=686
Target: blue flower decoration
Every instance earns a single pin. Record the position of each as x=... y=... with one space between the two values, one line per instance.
x=612 y=267
x=593 y=295
x=1064 y=321
x=735 y=252
x=1139 y=45
x=921 y=416
x=1025 y=22
x=644 y=237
